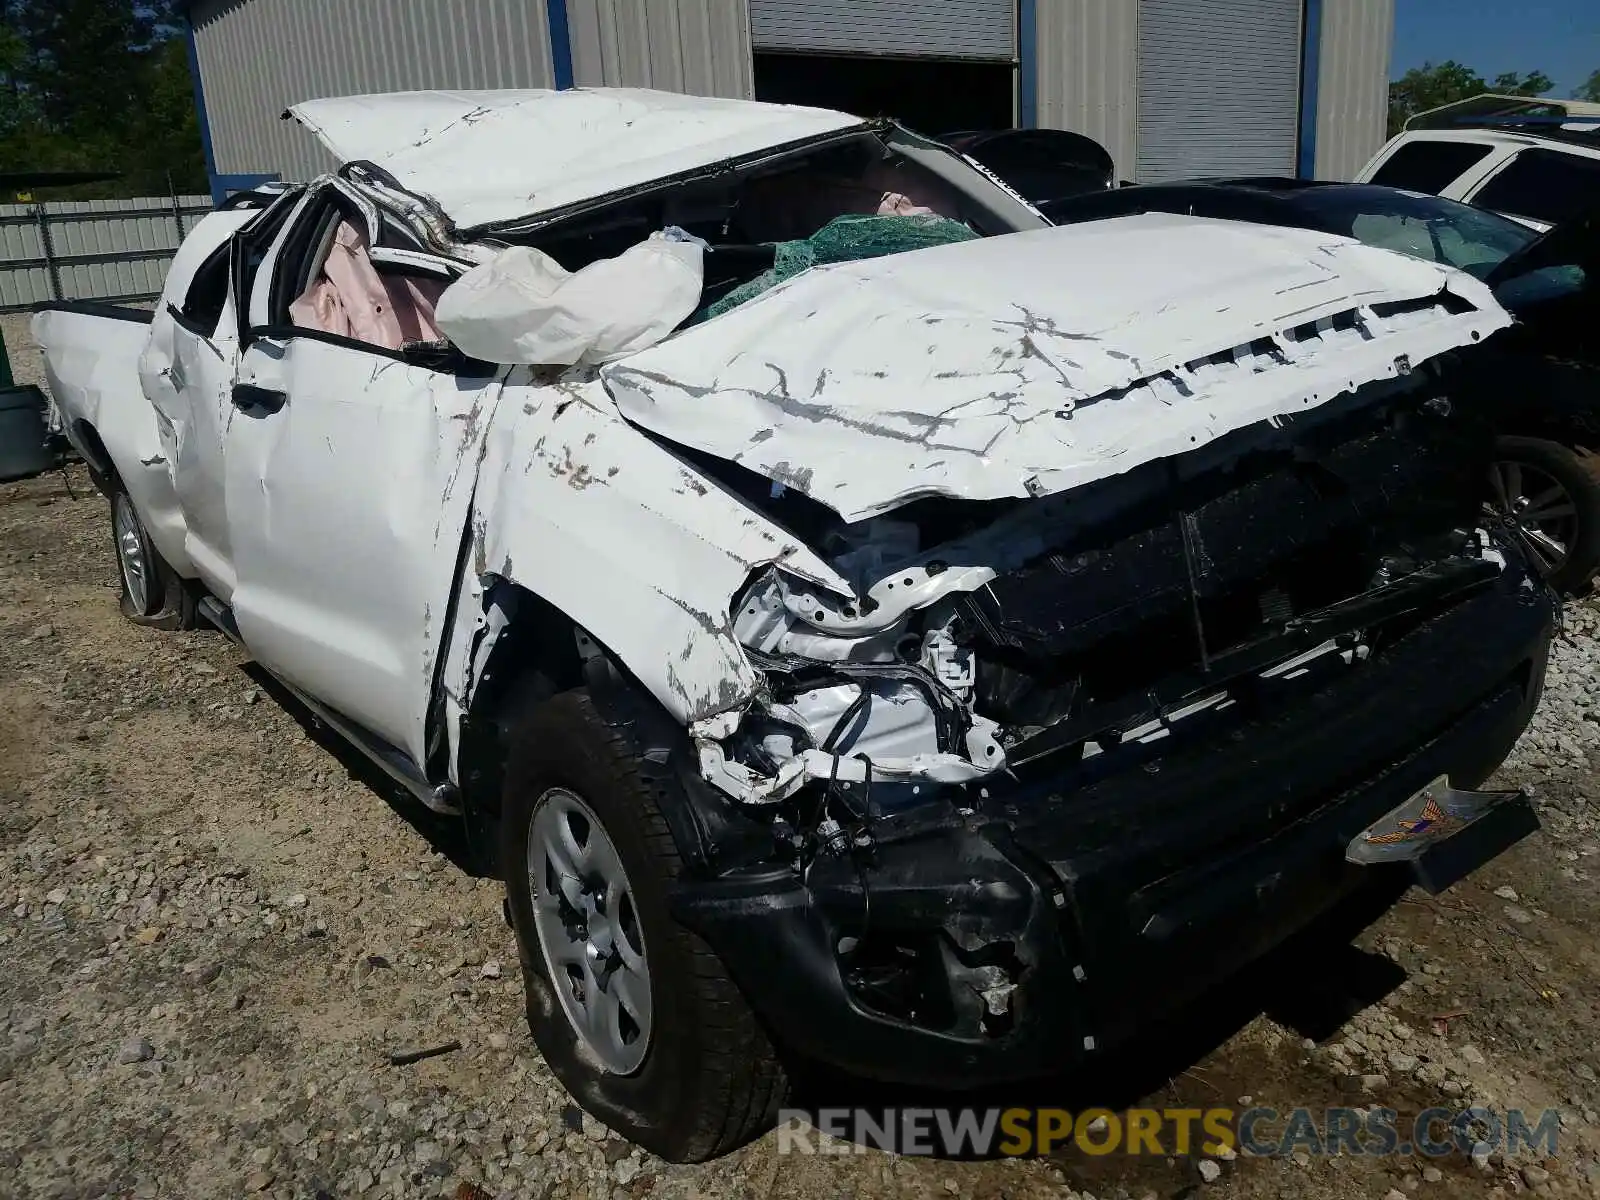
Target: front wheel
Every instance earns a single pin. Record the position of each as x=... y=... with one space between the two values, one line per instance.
x=153 y=594
x=633 y=1012
x=1550 y=494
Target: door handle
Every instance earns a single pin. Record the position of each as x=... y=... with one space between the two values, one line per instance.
x=248 y=398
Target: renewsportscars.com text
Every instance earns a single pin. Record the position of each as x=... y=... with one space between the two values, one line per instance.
x=1258 y=1131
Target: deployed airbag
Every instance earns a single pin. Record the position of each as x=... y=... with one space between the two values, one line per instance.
x=350 y=298
x=523 y=307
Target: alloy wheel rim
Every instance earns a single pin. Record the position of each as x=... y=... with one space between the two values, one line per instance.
x=589 y=932
x=1539 y=507
x=130 y=553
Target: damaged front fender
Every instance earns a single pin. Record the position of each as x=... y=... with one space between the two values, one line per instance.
x=627 y=538
x=712 y=606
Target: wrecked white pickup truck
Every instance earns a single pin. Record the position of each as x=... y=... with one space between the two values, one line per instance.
x=933 y=642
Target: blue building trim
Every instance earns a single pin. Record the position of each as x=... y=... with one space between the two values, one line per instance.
x=224 y=185
x=1028 y=64
x=221 y=185
x=1310 y=72
x=555 y=12
x=217 y=192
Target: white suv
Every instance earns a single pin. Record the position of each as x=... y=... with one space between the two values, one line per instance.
x=1536 y=161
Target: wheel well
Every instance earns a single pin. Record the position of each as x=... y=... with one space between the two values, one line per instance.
x=539 y=652
x=94 y=453
x=533 y=657
x=1565 y=411
x=536 y=642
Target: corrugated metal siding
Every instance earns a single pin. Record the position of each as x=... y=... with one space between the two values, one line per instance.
x=1219 y=88
x=257 y=57
x=939 y=28
x=1353 y=84
x=141 y=233
x=1087 y=71
x=701 y=47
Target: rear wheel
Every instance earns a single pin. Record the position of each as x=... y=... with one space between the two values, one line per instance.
x=153 y=594
x=1550 y=494
x=633 y=1012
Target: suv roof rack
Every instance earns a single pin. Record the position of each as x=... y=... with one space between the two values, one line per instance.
x=1561 y=120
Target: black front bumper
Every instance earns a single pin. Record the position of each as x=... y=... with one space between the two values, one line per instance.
x=1107 y=906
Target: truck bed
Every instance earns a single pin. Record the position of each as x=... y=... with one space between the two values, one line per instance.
x=91 y=357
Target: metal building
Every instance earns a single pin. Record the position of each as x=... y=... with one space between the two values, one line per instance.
x=1172 y=88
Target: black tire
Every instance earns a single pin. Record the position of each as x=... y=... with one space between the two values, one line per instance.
x=1576 y=474
x=709 y=1080
x=168 y=599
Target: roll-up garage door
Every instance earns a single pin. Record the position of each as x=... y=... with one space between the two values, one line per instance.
x=911 y=28
x=1219 y=88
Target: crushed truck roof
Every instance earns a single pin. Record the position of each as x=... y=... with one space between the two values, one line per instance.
x=491 y=156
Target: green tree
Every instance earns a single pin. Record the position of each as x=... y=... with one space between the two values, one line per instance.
x=1589 y=89
x=165 y=128
x=1509 y=83
x=1433 y=84
x=99 y=85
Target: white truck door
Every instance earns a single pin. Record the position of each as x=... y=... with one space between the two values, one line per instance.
x=349 y=476
x=187 y=371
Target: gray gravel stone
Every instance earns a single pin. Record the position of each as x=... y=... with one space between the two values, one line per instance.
x=135 y=1050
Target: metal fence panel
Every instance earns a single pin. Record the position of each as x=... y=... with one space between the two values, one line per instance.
x=91 y=249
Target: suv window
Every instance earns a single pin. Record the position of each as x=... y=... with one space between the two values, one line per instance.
x=1544 y=185
x=1425 y=166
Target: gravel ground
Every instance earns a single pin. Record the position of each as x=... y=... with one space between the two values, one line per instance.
x=215 y=927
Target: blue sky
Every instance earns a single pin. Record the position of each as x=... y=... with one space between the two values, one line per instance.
x=1559 y=37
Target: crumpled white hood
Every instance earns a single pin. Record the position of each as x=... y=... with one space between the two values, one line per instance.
x=489 y=156
x=1037 y=362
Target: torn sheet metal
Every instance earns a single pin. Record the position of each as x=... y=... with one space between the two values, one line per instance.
x=811 y=766
x=492 y=156
x=1038 y=362
x=631 y=542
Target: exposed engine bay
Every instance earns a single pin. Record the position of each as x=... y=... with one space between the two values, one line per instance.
x=995 y=637
x=1061 y=745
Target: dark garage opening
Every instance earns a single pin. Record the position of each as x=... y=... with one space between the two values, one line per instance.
x=930 y=96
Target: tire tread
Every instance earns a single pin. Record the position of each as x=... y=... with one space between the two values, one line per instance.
x=741 y=1081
